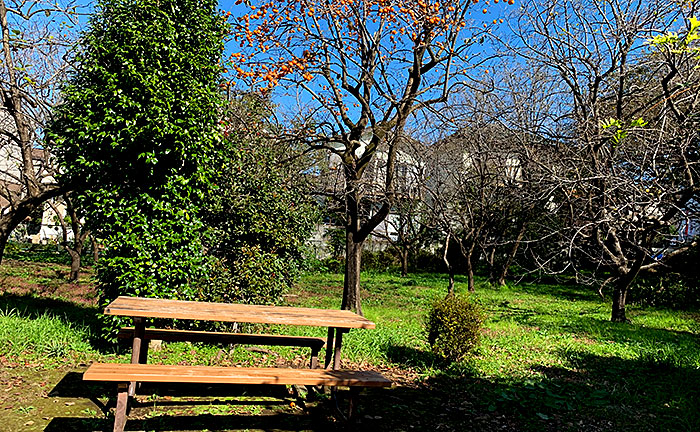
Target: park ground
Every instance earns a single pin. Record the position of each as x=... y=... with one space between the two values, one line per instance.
x=549 y=360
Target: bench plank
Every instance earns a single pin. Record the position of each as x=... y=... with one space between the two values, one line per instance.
x=121 y=372
x=230 y=312
x=227 y=338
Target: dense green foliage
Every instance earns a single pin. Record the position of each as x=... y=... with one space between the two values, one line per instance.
x=258 y=210
x=135 y=136
x=454 y=326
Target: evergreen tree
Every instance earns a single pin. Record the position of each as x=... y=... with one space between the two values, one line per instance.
x=135 y=136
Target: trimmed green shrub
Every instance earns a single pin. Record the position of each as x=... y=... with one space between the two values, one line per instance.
x=254 y=276
x=454 y=326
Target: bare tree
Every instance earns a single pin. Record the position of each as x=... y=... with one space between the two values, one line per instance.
x=35 y=39
x=73 y=226
x=624 y=147
x=476 y=190
x=486 y=186
x=362 y=70
x=407 y=228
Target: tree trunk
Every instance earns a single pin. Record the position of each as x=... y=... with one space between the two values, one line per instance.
x=351 y=288
x=75 y=250
x=404 y=262
x=619 y=301
x=490 y=260
x=3 y=242
x=353 y=245
x=470 y=267
x=511 y=256
x=622 y=285
x=74 y=264
x=95 y=249
x=450 y=269
x=451 y=281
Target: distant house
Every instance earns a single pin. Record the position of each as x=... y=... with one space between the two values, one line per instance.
x=331 y=183
x=42 y=227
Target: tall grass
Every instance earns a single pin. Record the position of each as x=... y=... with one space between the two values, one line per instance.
x=44 y=336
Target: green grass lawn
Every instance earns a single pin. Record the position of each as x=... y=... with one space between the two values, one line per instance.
x=549 y=359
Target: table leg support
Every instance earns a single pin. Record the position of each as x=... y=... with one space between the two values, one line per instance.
x=314 y=358
x=122 y=407
x=329 y=346
x=352 y=401
x=338 y=345
x=137 y=348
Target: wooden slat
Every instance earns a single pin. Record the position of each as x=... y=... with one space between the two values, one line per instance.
x=179 y=309
x=122 y=372
x=226 y=338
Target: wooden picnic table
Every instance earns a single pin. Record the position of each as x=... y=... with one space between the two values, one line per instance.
x=139 y=308
x=337 y=321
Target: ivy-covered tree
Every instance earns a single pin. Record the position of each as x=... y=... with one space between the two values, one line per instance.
x=135 y=135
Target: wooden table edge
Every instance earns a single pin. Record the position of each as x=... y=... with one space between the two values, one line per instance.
x=361 y=323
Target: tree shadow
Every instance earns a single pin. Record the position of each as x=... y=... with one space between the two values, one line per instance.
x=204 y=422
x=565 y=291
x=595 y=393
x=269 y=403
x=73 y=386
x=587 y=392
x=602 y=329
x=412 y=357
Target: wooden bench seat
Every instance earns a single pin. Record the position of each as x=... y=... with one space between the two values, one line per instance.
x=124 y=373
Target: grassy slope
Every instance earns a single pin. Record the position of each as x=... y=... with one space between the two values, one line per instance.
x=549 y=359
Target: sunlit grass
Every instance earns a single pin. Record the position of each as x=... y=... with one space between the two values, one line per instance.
x=547 y=351
x=40 y=337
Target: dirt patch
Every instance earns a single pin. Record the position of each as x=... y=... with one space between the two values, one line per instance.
x=47 y=280
x=29 y=399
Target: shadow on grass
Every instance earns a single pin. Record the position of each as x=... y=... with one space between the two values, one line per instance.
x=412 y=357
x=593 y=393
x=205 y=422
x=605 y=330
x=587 y=393
x=271 y=412
x=73 y=386
x=560 y=291
x=32 y=307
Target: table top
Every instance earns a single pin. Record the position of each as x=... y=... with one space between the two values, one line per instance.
x=193 y=310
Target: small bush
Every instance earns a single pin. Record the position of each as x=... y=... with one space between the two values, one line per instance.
x=454 y=324
x=332 y=265
x=678 y=291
